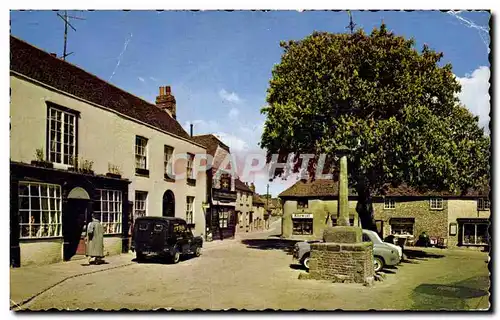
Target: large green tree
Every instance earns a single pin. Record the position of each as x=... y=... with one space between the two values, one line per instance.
x=393 y=105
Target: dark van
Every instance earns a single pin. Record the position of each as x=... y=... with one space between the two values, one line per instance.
x=167 y=237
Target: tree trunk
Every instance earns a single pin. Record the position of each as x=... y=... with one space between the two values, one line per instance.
x=364 y=208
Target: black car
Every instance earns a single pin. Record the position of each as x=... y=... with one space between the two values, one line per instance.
x=167 y=237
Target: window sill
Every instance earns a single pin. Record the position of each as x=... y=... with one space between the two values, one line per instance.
x=437 y=209
x=28 y=240
x=191 y=182
x=142 y=172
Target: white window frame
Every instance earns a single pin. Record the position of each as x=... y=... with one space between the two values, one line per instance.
x=475 y=234
x=306 y=206
x=110 y=210
x=436 y=203
x=52 y=208
x=223 y=218
x=140 y=204
x=168 y=153
x=389 y=203
x=64 y=118
x=189 y=166
x=483 y=204
x=189 y=210
x=141 y=152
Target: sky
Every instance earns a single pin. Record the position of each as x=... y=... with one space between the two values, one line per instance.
x=219 y=63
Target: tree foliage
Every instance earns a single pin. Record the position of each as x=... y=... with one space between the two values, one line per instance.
x=377 y=94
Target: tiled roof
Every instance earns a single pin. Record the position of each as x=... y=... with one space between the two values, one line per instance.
x=329 y=188
x=41 y=66
x=316 y=188
x=211 y=142
x=257 y=200
x=241 y=186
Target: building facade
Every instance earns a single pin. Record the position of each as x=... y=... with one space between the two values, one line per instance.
x=308 y=207
x=78 y=146
x=244 y=208
x=221 y=219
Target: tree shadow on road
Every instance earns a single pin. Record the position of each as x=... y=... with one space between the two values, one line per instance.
x=271 y=244
x=452 y=296
x=415 y=256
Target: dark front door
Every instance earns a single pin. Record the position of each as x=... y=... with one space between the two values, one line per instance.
x=75 y=220
x=168 y=204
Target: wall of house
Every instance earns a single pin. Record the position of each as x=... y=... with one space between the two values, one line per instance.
x=112 y=245
x=243 y=207
x=462 y=208
x=433 y=222
x=41 y=252
x=322 y=211
x=105 y=137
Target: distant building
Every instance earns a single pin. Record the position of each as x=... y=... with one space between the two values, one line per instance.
x=244 y=207
x=220 y=191
x=459 y=220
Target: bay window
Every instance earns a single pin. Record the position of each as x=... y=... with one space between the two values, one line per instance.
x=39 y=210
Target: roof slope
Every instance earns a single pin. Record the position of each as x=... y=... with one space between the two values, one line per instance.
x=241 y=186
x=41 y=66
x=211 y=142
x=329 y=188
x=257 y=200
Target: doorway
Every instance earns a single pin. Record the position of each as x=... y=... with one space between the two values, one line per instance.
x=168 y=204
x=75 y=219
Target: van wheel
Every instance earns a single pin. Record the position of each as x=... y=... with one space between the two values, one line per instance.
x=140 y=256
x=176 y=257
x=197 y=252
x=378 y=263
x=305 y=260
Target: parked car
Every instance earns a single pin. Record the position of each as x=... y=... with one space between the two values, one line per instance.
x=384 y=254
x=166 y=237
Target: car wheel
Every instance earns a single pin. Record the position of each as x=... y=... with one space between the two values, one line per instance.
x=176 y=257
x=197 y=252
x=378 y=263
x=140 y=256
x=305 y=260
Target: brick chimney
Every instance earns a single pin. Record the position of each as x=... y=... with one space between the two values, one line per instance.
x=166 y=101
x=252 y=187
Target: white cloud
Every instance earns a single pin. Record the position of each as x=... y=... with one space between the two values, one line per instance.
x=141 y=79
x=153 y=79
x=475 y=94
x=233 y=113
x=231 y=97
x=235 y=144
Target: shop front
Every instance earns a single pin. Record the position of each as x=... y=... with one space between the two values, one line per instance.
x=50 y=209
x=223 y=209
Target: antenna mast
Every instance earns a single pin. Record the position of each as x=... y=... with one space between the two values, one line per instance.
x=351 y=24
x=66 y=18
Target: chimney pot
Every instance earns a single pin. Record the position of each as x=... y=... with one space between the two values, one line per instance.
x=191 y=130
x=168 y=90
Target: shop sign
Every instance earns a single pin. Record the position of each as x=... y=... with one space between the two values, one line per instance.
x=302 y=216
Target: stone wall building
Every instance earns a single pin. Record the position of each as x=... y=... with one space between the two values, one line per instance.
x=459 y=220
x=79 y=145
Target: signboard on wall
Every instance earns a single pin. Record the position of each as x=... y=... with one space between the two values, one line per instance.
x=302 y=216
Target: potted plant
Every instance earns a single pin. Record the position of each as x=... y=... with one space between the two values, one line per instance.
x=113 y=171
x=86 y=167
x=40 y=160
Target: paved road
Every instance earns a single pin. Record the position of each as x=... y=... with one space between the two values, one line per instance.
x=256 y=274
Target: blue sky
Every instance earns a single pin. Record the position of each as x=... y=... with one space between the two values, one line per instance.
x=219 y=63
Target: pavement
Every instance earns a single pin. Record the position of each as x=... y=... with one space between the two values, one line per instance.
x=254 y=272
